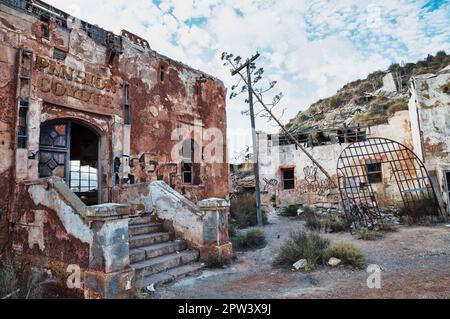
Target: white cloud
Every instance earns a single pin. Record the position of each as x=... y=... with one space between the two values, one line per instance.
x=311 y=47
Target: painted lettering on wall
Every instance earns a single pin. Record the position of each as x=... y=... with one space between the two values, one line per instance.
x=63 y=80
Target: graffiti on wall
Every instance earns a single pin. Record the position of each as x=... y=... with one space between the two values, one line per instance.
x=314 y=184
x=270 y=185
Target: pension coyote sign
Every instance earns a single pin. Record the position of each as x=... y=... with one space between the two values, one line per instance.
x=63 y=80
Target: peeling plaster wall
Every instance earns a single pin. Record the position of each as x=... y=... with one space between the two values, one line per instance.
x=185 y=217
x=161 y=107
x=158 y=107
x=138 y=197
x=311 y=185
x=48 y=226
x=164 y=96
x=430 y=106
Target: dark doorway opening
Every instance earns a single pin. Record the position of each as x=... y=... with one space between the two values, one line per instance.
x=70 y=150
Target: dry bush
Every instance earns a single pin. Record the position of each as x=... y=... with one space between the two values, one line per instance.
x=243 y=211
x=216 y=260
x=335 y=223
x=348 y=253
x=290 y=211
x=302 y=245
x=368 y=234
x=421 y=212
x=312 y=218
x=250 y=239
x=396 y=107
x=20 y=282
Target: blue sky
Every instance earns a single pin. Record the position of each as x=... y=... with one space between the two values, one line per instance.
x=312 y=48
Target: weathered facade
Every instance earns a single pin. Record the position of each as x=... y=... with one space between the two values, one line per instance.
x=87 y=116
x=430 y=114
x=289 y=177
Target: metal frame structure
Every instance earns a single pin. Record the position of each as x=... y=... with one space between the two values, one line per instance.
x=357 y=193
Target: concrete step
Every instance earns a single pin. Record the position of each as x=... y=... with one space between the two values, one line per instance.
x=171 y=274
x=156 y=250
x=148 y=239
x=132 y=221
x=142 y=229
x=163 y=263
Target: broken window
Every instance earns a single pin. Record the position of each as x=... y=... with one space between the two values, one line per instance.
x=83 y=178
x=45 y=27
x=187 y=173
x=162 y=73
x=187 y=153
x=126 y=105
x=24 y=91
x=191 y=168
x=288 y=178
x=374 y=172
x=59 y=54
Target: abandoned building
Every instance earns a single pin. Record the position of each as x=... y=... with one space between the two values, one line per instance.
x=103 y=144
x=381 y=166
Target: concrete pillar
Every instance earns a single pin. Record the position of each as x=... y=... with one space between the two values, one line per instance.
x=215 y=228
x=109 y=275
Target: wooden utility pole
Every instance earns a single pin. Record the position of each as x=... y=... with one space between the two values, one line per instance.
x=247 y=65
x=247 y=81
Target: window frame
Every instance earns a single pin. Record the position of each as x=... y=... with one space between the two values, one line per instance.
x=79 y=188
x=290 y=180
x=374 y=176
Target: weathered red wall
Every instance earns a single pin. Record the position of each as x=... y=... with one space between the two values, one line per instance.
x=49 y=231
x=158 y=108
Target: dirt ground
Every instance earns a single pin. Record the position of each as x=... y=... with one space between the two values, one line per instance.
x=414 y=261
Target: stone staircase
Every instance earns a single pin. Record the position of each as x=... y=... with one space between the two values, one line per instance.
x=155 y=256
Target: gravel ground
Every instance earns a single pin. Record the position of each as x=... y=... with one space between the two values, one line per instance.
x=414 y=263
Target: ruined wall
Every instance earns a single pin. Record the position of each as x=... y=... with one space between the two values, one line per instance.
x=47 y=226
x=429 y=106
x=8 y=56
x=76 y=87
x=311 y=185
x=171 y=103
x=77 y=78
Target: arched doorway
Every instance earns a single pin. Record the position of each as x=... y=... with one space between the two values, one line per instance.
x=70 y=150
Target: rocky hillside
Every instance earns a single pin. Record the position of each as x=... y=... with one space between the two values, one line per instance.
x=370 y=101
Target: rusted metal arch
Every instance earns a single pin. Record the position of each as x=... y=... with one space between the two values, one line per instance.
x=357 y=194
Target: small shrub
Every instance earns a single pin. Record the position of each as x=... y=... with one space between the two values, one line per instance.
x=25 y=283
x=243 y=211
x=348 y=253
x=9 y=280
x=302 y=245
x=312 y=219
x=388 y=227
x=396 y=107
x=232 y=230
x=368 y=234
x=421 y=212
x=290 y=211
x=336 y=101
x=251 y=239
x=335 y=224
x=216 y=260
